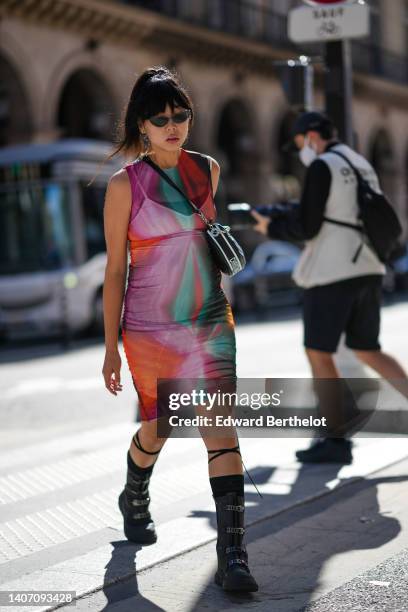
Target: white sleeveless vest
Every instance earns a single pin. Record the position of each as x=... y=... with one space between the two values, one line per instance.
x=327 y=258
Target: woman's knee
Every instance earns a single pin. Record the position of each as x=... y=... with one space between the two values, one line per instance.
x=148 y=435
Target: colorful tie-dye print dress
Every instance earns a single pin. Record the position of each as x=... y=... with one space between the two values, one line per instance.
x=177 y=322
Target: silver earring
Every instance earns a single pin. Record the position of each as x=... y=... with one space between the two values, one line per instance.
x=146 y=140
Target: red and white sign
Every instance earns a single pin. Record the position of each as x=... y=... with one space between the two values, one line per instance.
x=325 y=20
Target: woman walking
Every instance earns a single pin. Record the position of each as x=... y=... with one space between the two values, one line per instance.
x=177 y=322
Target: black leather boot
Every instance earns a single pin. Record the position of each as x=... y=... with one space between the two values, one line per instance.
x=233 y=572
x=134 y=500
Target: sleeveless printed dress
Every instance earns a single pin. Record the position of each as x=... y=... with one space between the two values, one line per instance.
x=176 y=322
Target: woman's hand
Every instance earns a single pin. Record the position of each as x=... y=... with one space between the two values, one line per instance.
x=111 y=371
x=262 y=223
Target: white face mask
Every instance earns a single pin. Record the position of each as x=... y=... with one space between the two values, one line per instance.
x=307 y=155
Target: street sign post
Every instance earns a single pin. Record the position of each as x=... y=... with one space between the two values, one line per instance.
x=334 y=21
x=339 y=88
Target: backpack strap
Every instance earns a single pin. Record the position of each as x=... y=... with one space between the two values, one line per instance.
x=352 y=166
x=353 y=226
x=359 y=176
x=358 y=228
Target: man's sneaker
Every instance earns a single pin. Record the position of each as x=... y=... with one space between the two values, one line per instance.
x=327 y=451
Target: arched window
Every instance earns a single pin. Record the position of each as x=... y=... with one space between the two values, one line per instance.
x=86 y=108
x=236 y=144
x=235 y=136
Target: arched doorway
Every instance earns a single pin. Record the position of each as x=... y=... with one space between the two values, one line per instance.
x=236 y=142
x=236 y=139
x=86 y=107
x=15 y=113
x=382 y=157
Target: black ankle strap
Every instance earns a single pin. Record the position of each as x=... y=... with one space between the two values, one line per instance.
x=222 y=451
x=138 y=445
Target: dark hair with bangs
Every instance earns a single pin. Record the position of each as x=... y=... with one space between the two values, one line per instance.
x=154 y=89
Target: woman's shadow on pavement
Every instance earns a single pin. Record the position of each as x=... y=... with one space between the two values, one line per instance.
x=286 y=552
x=120 y=581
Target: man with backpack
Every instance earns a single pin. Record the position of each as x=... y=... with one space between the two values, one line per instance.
x=341 y=266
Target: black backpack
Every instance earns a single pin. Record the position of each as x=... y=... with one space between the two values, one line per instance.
x=379 y=220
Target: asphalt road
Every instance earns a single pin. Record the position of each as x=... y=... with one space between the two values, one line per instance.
x=46 y=392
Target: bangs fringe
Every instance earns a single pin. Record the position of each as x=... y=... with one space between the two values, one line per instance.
x=159 y=93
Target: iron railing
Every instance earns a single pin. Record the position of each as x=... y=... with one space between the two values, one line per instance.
x=247 y=19
x=372 y=59
x=240 y=17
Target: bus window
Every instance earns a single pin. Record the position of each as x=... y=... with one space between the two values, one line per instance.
x=93 y=197
x=59 y=240
x=36 y=228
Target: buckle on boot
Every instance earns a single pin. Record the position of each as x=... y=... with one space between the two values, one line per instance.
x=138 y=480
x=237 y=562
x=140 y=515
x=235 y=508
x=135 y=491
x=140 y=502
x=235 y=549
x=240 y=530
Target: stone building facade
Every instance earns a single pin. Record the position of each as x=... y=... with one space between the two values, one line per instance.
x=67 y=67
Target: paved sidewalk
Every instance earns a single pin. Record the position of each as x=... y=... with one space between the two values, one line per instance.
x=61 y=529
x=341 y=552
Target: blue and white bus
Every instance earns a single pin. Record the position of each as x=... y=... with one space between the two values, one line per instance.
x=52 y=248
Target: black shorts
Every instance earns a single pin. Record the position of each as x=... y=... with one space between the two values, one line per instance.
x=351 y=306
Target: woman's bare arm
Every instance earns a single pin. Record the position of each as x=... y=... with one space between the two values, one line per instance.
x=118 y=201
x=215 y=174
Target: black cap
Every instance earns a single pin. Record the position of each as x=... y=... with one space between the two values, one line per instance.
x=306 y=122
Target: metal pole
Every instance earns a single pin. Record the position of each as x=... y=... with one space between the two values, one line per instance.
x=309 y=78
x=339 y=88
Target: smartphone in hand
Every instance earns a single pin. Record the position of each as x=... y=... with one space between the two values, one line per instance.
x=239 y=215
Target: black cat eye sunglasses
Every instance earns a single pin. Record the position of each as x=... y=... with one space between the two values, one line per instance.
x=162 y=120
